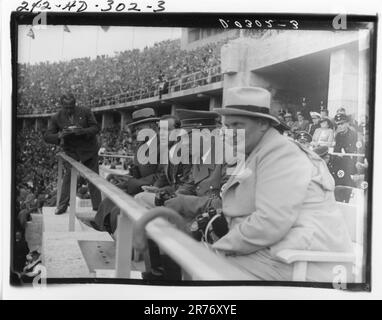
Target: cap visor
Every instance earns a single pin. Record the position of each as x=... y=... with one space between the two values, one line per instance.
x=143 y=121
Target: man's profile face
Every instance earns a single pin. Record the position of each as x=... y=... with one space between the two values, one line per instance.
x=315 y=120
x=342 y=127
x=254 y=130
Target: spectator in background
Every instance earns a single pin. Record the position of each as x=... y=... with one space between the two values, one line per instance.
x=324 y=135
x=345 y=137
x=324 y=113
x=288 y=120
x=351 y=121
x=301 y=124
x=304 y=138
x=343 y=167
x=316 y=122
x=75 y=128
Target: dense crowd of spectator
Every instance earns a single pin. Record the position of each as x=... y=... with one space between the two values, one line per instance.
x=36 y=171
x=341 y=141
x=93 y=80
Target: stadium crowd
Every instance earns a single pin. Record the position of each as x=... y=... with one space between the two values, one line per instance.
x=93 y=80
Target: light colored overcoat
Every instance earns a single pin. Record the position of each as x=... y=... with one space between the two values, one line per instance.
x=282 y=199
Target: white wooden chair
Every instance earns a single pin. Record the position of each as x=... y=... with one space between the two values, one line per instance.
x=354 y=215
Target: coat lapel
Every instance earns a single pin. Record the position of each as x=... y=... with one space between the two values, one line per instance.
x=202 y=171
x=246 y=169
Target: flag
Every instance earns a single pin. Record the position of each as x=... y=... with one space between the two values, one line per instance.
x=30 y=33
x=105 y=28
x=66 y=28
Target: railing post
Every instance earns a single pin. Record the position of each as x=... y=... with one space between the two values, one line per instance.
x=73 y=194
x=124 y=247
x=59 y=181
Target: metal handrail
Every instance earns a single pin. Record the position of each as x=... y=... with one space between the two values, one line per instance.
x=198 y=262
x=115 y=155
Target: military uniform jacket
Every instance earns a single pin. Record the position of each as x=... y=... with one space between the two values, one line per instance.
x=173 y=176
x=79 y=147
x=201 y=191
x=346 y=141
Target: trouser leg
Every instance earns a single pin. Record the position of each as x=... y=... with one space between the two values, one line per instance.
x=65 y=189
x=95 y=194
x=155 y=257
x=172 y=270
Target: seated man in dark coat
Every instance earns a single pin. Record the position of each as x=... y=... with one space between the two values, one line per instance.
x=139 y=175
x=75 y=129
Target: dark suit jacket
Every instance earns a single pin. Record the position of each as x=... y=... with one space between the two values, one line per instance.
x=80 y=147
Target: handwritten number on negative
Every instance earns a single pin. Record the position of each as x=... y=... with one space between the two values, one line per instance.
x=160 y=6
x=110 y=4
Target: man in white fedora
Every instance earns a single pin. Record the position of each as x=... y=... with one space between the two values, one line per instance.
x=283 y=198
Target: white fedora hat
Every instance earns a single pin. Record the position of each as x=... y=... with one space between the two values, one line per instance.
x=248 y=101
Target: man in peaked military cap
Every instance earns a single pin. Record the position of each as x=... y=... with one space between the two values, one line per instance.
x=304 y=138
x=207 y=177
x=345 y=138
x=342 y=167
x=198 y=193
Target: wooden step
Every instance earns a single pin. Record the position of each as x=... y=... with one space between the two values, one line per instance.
x=62 y=255
x=57 y=223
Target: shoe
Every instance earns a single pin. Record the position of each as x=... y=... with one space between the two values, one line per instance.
x=60 y=211
x=152 y=276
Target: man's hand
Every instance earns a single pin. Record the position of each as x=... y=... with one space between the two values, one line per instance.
x=78 y=131
x=64 y=133
x=175 y=204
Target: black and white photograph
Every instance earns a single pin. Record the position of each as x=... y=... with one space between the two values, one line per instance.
x=192 y=150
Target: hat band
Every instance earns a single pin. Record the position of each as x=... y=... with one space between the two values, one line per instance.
x=198 y=122
x=143 y=118
x=250 y=108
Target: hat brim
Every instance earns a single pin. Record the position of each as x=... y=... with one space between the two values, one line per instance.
x=143 y=121
x=237 y=112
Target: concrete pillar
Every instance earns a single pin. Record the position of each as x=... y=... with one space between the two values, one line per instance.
x=236 y=65
x=363 y=74
x=125 y=119
x=343 y=80
x=215 y=102
x=107 y=120
x=173 y=108
x=28 y=123
x=39 y=124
